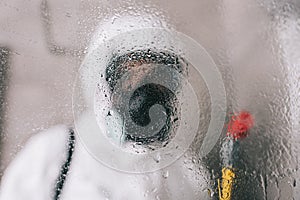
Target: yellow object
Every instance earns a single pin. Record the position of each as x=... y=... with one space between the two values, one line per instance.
x=225 y=189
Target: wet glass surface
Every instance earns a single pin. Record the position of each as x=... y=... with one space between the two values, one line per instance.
x=49 y=49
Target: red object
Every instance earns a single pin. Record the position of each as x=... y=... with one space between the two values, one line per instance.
x=239 y=125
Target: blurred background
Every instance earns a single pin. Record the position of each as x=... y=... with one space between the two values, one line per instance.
x=37 y=69
x=255 y=44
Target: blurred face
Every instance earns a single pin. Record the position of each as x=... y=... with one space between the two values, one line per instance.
x=138 y=66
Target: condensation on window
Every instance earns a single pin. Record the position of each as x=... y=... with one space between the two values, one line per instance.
x=254 y=45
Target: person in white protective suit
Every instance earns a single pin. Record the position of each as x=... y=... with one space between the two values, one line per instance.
x=71 y=162
x=55 y=165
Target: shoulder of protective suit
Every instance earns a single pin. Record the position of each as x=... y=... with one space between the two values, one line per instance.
x=33 y=172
